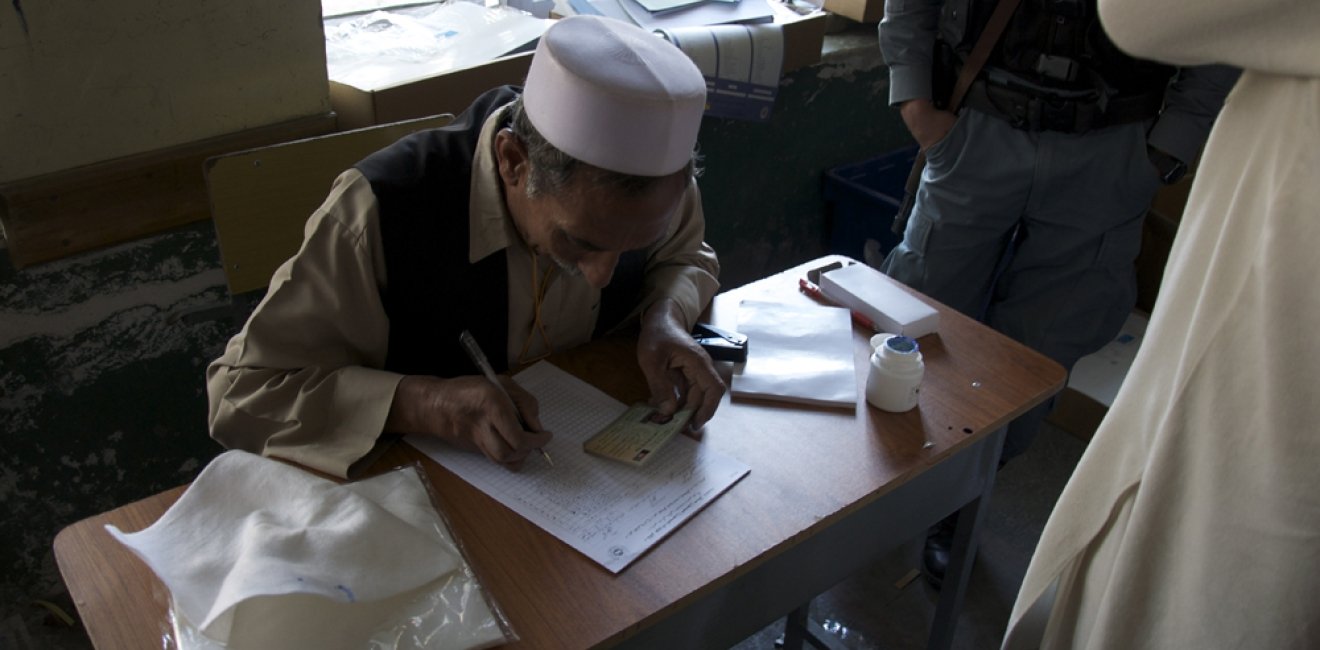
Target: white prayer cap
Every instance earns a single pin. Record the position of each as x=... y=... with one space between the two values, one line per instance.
x=611 y=94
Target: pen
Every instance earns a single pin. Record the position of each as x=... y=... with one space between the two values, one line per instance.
x=814 y=291
x=478 y=357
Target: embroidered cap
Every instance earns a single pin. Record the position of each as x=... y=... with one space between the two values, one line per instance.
x=612 y=95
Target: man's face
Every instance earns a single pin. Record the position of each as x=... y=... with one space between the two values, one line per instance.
x=585 y=229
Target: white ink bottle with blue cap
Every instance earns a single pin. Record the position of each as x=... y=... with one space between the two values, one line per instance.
x=894 y=380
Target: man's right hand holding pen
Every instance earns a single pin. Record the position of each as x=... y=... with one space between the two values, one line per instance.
x=472 y=413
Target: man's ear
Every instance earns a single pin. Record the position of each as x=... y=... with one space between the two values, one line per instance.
x=511 y=157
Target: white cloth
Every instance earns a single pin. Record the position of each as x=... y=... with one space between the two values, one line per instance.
x=1193 y=519
x=259 y=554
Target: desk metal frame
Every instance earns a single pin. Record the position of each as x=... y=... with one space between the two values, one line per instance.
x=786 y=583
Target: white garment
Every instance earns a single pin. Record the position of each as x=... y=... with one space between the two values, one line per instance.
x=1193 y=519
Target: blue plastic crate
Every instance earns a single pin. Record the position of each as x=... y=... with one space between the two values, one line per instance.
x=862 y=199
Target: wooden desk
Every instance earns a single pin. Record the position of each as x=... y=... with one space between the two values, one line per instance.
x=829 y=492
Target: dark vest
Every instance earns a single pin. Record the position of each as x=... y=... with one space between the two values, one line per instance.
x=1053 y=43
x=422 y=187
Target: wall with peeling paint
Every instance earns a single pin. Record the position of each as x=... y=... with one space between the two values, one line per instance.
x=102 y=356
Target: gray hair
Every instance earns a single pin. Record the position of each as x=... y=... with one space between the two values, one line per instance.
x=550 y=170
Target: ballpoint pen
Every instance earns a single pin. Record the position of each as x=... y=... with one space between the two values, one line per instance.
x=469 y=344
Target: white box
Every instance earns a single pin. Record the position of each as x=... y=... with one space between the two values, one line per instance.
x=1100 y=374
x=880 y=298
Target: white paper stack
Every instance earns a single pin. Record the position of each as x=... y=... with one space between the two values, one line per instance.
x=383 y=49
x=880 y=298
x=795 y=353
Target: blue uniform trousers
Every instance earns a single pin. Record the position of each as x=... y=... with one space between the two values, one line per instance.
x=1033 y=232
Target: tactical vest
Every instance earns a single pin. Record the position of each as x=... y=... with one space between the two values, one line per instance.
x=422 y=186
x=1052 y=44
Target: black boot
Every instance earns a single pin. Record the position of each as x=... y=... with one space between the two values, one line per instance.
x=939 y=543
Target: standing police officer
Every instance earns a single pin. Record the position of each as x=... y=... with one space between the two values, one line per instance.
x=1028 y=216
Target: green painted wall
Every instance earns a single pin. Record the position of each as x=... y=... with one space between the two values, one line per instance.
x=101 y=356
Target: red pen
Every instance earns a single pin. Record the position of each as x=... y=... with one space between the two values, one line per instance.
x=814 y=291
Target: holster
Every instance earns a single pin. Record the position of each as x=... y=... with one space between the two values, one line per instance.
x=909 y=195
x=943 y=73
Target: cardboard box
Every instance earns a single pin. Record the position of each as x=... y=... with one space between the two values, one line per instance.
x=1095 y=380
x=1077 y=414
x=1157 y=233
x=803 y=39
x=890 y=306
x=453 y=91
x=862 y=11
x=450 y=92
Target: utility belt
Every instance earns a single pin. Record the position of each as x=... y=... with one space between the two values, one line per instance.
x=1033 y=110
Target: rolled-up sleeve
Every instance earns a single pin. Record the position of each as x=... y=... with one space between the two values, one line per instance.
x=907 y=42
x=1191 y=105
x=301 y=380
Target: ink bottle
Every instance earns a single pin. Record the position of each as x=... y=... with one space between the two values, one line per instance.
x=894 y=380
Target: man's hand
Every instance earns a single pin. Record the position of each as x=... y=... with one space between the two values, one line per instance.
x=679 y=373
x=927 y=124
x=471 y=413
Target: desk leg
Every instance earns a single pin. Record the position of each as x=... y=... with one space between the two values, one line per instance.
x=961 y=557
x=799 y=627
x=795 y=627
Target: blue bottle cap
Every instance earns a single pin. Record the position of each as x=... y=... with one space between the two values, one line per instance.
x=902 y=344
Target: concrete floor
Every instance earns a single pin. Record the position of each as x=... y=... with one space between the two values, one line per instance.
x=869 y=611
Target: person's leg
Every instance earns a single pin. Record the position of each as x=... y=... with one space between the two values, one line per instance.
x=1070 y=283
x=972 y=194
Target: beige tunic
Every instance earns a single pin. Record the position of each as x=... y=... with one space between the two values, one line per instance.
x=1193 y=519
x=302 y=380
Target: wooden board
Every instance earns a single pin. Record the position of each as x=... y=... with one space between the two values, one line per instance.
x=56 y=215
x=261 y=198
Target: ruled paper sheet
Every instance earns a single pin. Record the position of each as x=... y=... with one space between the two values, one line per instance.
x=608 y=511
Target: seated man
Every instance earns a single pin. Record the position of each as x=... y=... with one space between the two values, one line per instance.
x=537 y=220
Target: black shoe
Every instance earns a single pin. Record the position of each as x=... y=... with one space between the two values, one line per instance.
x=935 y=555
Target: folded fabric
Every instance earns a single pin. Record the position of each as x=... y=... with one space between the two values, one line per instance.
x=257 y=553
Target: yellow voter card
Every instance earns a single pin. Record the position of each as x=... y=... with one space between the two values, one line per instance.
x=636 y=435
